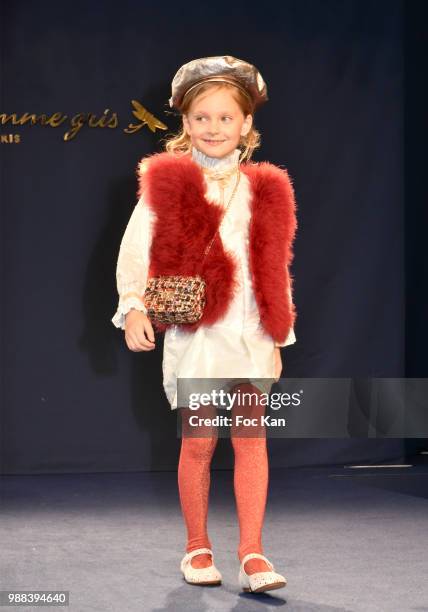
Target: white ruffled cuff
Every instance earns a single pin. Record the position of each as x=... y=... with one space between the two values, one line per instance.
x=291 y=339
x=125 y=305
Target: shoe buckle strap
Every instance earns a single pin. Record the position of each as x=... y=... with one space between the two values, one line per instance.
x=199 y=551
x=257 y=556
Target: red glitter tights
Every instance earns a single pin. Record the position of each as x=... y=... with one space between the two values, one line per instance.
x=251 y=475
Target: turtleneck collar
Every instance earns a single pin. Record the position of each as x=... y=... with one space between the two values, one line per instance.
x=216 y=163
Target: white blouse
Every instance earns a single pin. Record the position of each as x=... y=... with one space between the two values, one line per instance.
x=234 y=347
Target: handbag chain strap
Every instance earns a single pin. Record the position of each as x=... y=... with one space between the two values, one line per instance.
x=224 y=211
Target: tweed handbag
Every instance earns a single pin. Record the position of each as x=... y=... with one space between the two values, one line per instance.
x=180 y=299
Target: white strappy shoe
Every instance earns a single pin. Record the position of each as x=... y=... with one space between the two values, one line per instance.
x=260 y=581
x=203 y=575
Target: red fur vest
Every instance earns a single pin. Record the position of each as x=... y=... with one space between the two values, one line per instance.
x=186 y=221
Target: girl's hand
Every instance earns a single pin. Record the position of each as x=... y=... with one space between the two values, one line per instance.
x=139 y=333
x=278 y=363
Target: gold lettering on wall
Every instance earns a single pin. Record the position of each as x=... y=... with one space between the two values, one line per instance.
x=108 y=119
x=54 y=120
x=10 y=138
x=79 y=120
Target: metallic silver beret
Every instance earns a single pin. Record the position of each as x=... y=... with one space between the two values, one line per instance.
x=223 y=68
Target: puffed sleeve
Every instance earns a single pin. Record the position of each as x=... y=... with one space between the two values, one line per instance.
x=133 y=262
x=291 y=338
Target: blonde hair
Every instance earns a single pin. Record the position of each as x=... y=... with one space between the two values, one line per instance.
x=180 y=143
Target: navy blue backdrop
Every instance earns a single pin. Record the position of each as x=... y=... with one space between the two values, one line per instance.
x=75 y=398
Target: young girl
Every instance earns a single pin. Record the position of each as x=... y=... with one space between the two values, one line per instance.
x=249 y=312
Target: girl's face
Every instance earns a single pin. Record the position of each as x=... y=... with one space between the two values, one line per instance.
x=215 y=123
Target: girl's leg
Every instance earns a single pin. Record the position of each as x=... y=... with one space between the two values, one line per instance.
x=251 y=476
x=194 y=479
